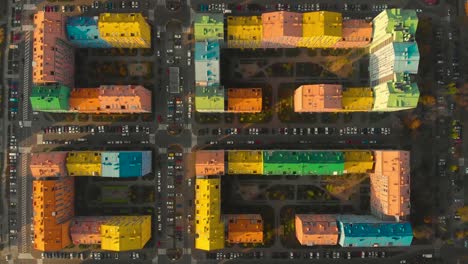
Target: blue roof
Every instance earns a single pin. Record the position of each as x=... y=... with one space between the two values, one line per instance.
x=367 y=231
x=83 y=32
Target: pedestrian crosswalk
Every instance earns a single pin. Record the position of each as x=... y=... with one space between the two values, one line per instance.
x=26 y=77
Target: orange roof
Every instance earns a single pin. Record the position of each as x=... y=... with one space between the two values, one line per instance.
x=48 y=164
x=318 y=98
x=282 y=28
x=85 y=99
x=245 y=228
x=53 y=57
x=390 y=183
x=53 y=207
x=356 y=33
x=209 y=162
x=316 y=229
x=125 y=98
x=244 y=100
x=111 y=99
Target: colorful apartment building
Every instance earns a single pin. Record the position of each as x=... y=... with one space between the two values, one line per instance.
x=50 y=98
x=396 y=57
x=85 y=100
x=358 y=161
x=117 y=164
x=209 y=163
x=48 y=164
x=368 y=231
x=86 y=230
x=123 y=233
x=209 y=99
x=323 y=163
x=53 y=56
x=83 y=32
x=390 y=184
x=125 y=30
x=119 y=99
x=318 y=98
x=207 y=72
x=209 y=228
x=357 y=33
x=393 y=25
x=395 y=95
x=244 y=31
x=53 y=209
x=281 y=29
x=208 y=26
x=84 y=163
x=316 y=229
x=321 y=29
x=298 y=162
x=244 y=100
x=357 y=99
x=245 y=162
x=245 y=228
x=126 y=164
x=282 y=162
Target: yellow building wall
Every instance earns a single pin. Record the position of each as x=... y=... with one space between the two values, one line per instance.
x=358 y=161
x=122 y=233
x=244 y=31
x=125 y=30
x=209 y=228
x=321 y=29
x=245 y=162
x=84 y=163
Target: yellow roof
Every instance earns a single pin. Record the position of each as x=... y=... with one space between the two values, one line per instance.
x=357 y=99
x=84 y=163
x=358 y=161
x=122 y=233
x=322 y=23
x=245 y=162
x=249 y=28
x=208 y=225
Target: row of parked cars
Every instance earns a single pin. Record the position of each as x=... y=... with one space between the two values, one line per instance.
x=63 y=255
x=124 y=130
x=12 y=184
x=13 y=99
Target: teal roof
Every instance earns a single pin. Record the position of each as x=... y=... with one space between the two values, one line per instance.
x=367 y=231
x=406 y=57
x=125 y=164
x=83 y=32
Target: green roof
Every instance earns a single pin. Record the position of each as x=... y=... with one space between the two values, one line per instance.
x=303 y=162
x=402 y=92
x=209 y=98
x=209 y=26
x=282 y=162
x=50 y=98
x=323 y=163
x=403 y=23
